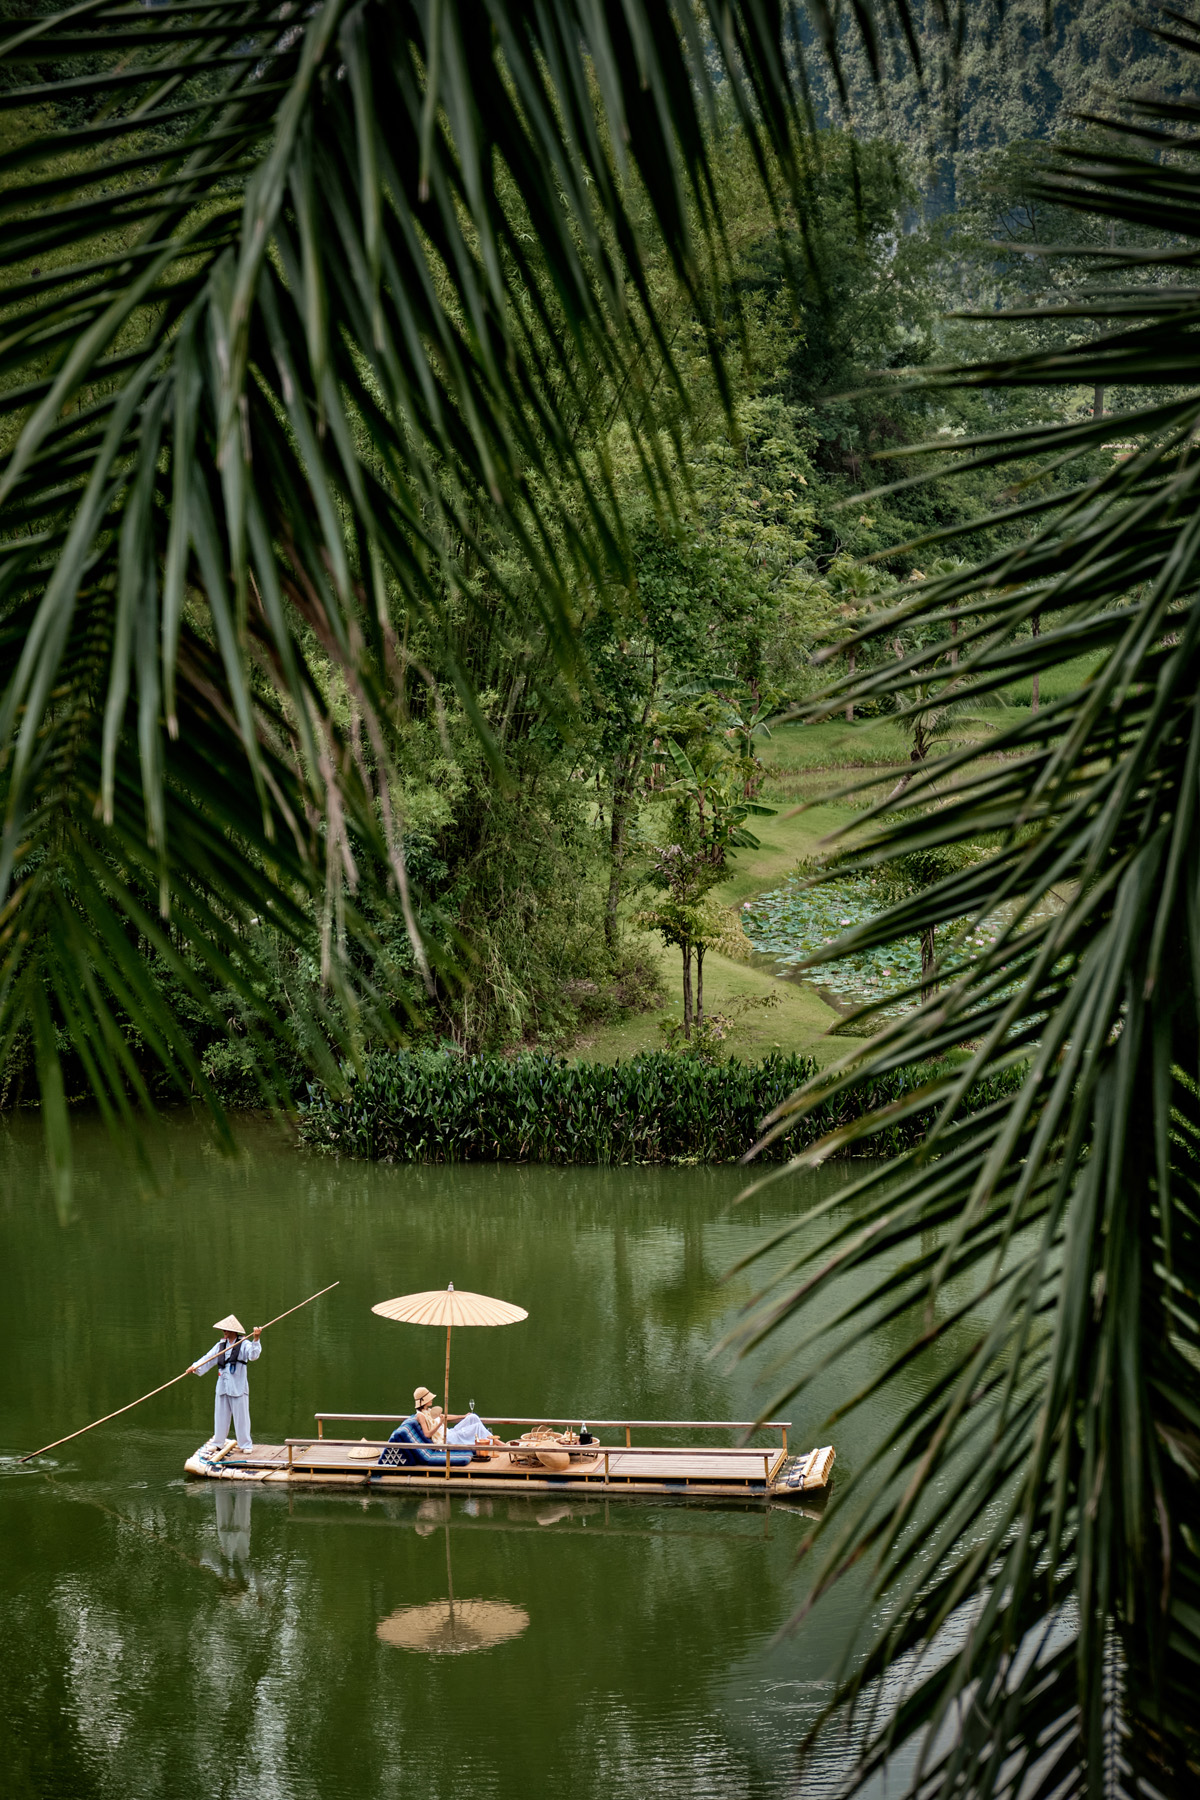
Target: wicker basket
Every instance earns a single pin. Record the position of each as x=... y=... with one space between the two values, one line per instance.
x=543 y=1448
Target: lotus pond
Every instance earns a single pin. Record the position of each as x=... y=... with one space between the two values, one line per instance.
x=794 y=922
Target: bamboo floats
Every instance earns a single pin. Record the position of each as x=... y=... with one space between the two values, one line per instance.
x=606 y=1471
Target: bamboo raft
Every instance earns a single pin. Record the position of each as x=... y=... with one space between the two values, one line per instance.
x=608 y=1471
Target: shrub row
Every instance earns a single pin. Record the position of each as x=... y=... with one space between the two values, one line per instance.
x=439 y=1107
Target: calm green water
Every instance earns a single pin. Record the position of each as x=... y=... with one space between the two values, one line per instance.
x=162 y=1637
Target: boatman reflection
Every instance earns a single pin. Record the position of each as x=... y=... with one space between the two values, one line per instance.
x=233 y=1521
x=230 y=1354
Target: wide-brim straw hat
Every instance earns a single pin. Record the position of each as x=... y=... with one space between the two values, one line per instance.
x=230 y=1323
x=422 y=1397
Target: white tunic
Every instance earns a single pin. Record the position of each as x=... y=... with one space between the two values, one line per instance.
x=232 y=1381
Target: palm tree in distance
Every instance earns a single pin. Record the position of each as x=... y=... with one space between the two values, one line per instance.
x=296 y=299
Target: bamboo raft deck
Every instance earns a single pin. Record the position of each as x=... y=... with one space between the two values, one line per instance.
x=605 y=1470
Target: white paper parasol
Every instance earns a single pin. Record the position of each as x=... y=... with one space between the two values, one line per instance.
x=449 y=1307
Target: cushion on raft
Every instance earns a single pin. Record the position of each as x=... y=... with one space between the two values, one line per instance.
x=408 y=1444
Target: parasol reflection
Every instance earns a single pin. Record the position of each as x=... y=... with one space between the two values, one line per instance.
x=452 y=1627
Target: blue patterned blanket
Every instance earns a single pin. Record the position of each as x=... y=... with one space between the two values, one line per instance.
x=408 y=1444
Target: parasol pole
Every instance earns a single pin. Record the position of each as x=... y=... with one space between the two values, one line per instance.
x=166 y=1384
x=446 y=1402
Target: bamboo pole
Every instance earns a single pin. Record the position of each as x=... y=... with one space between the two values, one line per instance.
x=446 y=1403
x=298 y=1305
x=106 y=1418
x=166 y=1384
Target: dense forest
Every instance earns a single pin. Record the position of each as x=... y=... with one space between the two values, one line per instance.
x=616 y=792
x=558 y=815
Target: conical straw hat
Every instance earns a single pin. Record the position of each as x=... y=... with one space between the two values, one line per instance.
x=448 y=1306
x=230 y=1323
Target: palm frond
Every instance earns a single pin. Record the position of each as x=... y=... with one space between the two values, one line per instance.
x=1031 y=1518
x=296 y=307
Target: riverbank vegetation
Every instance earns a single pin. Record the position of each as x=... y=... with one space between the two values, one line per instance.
x=525 y=825
x=438 y=444
x=658 y=1108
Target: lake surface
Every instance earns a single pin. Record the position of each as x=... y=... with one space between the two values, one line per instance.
x=168 y=1637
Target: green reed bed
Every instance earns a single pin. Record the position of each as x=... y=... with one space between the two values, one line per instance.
x=657 y=1108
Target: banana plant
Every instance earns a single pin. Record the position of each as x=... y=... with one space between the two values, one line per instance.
x=712 y=780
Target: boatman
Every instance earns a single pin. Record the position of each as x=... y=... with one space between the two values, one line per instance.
x=232 y=1351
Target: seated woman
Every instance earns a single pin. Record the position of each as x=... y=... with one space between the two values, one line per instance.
x=421 y=1438
x=469 y=1430
x=409 y=1444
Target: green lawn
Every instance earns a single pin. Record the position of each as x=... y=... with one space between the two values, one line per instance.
x=833 y=745
x=796 y=1023
x=801 y=762
x=1064 y=678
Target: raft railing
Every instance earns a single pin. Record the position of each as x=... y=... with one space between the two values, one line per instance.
x=783 y=1426
x=581 y=1452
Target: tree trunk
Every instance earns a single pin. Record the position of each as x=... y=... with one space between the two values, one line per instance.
x=625 y=774
x=686 y=951
x=851 y=660
x=1098 y=401
x=928 y=985
x=1035 y=627
x=699 y=984
x=618 y=834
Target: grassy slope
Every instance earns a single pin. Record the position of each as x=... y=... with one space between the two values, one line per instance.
x=794 y=1024
x=798 y=759
x=1055 y=682
x=801 y=762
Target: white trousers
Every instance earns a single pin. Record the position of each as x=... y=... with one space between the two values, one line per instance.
x=469 y=1427
x=239 y=1409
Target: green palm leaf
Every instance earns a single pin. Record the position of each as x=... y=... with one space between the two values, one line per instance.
x=296 y=308
x=1032 y=1518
